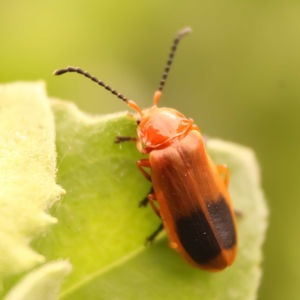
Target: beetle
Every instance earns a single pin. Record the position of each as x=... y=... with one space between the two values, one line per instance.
x=190 y=193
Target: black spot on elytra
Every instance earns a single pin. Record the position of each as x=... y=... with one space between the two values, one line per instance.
x=222 y=221
x=197 y=237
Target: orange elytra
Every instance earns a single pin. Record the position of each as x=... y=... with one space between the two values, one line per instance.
x=189 y=192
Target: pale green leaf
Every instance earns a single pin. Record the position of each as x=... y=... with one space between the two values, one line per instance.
x=27 y=173
x=41 y=284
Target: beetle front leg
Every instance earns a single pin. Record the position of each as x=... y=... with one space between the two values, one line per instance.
x=144 y=163
x=222 y=169
x=120 y=139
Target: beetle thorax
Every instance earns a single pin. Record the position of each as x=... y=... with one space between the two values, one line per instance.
x=160 y=126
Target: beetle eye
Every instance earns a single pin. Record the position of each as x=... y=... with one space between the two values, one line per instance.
x=138 y=121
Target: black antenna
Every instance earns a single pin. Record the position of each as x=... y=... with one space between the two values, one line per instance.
x=180 y=34
x=88 y=75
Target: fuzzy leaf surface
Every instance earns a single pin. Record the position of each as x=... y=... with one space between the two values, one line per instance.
x=27 y=173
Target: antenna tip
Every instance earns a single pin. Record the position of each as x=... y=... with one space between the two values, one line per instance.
x=184 y=31
x=59 y=72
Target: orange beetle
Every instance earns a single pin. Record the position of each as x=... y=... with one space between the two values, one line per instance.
x=192 y=196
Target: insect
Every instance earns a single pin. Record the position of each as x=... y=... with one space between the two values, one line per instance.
x=190 y=193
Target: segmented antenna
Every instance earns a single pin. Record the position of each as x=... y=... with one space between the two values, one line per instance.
x=93 y=78
x=180 y=34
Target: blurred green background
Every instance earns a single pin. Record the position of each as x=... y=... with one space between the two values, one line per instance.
x=237 y=75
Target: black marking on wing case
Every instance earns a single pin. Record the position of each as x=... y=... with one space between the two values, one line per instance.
x=197 y=237
x=222 y=221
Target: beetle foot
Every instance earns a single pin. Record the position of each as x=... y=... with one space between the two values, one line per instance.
x=144 y=202
x=150 y=239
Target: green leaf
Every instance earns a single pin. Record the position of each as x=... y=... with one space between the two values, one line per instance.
x=102 y=230
x=27 y=173
x=41 y=284
x=99 y=217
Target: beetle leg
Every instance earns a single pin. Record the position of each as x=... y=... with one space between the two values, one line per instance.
x=120 y=139
x=152 y=237
x=145 y=201
x=222 y=169
x=152 y=198
x=144 y=163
